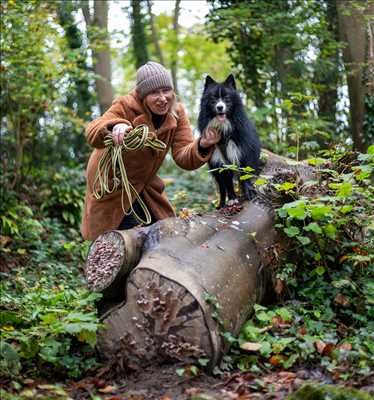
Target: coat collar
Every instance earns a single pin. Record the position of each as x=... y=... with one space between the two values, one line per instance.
x=142 y=116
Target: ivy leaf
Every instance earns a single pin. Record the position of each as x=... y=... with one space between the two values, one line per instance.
x=297 y=212
x=314 y=227
x=284 y=313
x=292 y=231
x=245 y=177
x=86 y=336
x=260 y=182
x=330 y=231
x=346 y=209
x=320 y=211
x=265 y=349
x=320 y=270
x=303 y=240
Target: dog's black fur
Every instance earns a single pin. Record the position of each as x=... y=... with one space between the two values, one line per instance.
x=221 y=107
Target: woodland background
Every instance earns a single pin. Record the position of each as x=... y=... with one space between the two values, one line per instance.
x=305 y=69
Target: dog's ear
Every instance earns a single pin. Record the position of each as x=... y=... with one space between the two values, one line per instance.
x=230 y=81
x=208 y=81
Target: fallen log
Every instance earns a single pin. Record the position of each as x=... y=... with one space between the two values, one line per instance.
x=175 y=288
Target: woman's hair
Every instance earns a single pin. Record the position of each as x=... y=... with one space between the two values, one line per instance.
x=173 y=107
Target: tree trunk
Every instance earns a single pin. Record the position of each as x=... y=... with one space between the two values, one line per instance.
x=352 y=31
x=328 y=78
x=192 y=280
x=100 y=51
x=139 y=40
x=81 y=96
x=174 y=56
x=155 y=38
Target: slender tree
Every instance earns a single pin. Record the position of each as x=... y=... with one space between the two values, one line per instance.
x=154 y=32
x=353 y=32
x=97 y=24
x=138 y=36
x=327 y=69
x=174 y=55
x=81 y=96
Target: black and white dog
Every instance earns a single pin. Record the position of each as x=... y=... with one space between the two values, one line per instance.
x=221 y=108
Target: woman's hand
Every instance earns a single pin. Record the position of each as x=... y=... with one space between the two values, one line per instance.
x=119 y=131
x=209 y=138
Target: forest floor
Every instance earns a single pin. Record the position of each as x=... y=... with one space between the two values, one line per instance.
x=161 y=382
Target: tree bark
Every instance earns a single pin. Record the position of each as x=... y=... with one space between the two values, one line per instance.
x=81 y=96
x=100 y=53
x=353 y=31
x=174 y=56
x=139 y=40
x=192 y=280
x=155 y=37
x=328 y=77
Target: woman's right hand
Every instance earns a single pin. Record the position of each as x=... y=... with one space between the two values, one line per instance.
x=119 y=131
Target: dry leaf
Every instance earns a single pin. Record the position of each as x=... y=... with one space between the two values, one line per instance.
x=341 y=299
x=345 y=346
x=250 y=346
x=108 y=389
x=5 y=240
x=276 y=360
x=324 y=348
x=303 y=331
x=279 y=286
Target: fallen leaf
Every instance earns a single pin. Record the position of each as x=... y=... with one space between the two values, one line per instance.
x=192 y=391
x=5 y=240
x=341 y=299
x=108 y=389
x=99 y=383
x=303 y=331
x=250 y=346
x=324 y=348
x=345 y=346
x=278 y=322
x=320 y=346
x=343 y=258
x=277 y=360
x=279 y=286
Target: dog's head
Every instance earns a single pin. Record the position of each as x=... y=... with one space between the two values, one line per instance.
x=220 y=97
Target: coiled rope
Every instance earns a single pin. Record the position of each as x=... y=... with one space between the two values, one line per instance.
x=112 y=162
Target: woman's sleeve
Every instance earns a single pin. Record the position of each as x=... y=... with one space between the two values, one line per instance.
x=97 y=129
x=185 y=149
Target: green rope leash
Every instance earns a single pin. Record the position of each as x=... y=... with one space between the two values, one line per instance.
x=112 y=161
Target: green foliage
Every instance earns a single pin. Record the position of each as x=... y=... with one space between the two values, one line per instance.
x=39 y=74
x=188 y=189
x=330 y=237
x=285 y=55
x=369 y=119
x=45 y=326
x=328 y=392
x=63 y=194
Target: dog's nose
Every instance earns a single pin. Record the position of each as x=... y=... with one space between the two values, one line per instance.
x=219 y=108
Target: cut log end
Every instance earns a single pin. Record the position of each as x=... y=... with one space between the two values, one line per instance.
x=161 y=321
x=104 y=261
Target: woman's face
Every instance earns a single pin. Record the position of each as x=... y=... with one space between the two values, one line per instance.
x=159 y=101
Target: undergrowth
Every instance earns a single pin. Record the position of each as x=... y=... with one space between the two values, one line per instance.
x=324 y=282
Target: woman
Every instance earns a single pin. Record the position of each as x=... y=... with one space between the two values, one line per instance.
x=152 y=103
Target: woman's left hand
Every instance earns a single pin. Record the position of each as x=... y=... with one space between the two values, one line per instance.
x=209 y=138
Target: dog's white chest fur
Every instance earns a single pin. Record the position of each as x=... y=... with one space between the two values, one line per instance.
x=232 y=155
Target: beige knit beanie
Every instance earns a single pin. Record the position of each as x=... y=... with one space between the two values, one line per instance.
x=151 y=76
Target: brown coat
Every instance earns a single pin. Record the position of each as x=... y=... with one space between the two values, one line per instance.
x=141 y=165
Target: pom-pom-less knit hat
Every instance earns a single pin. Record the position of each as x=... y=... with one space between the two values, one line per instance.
x=151 y=76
